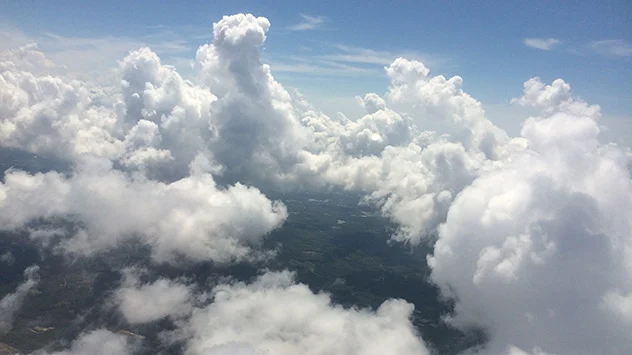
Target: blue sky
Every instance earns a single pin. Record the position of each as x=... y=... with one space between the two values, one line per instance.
x=338 y=48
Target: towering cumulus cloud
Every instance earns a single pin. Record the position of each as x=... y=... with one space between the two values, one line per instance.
x=155 y=129
x=257 y=135
x=537 y=249
x=532 y=235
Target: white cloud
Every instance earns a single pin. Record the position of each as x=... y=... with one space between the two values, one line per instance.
x=612 y=47
x=155 y=125
x=92 y=56
x=190 y=217
x=274 y=315
x=308 y=23
x=318 y=68
x=535 y=246
x=144 y=303
x=11 y=303
x=545 y=44
x=344 y=60
x=99 y=341
x=533 y=231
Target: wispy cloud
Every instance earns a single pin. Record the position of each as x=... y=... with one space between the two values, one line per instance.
x=343 y=60
x=308 y=23
x=320 y=69
x=545 y=44
x=359 y=55
x=87 y=54
x=612 y=47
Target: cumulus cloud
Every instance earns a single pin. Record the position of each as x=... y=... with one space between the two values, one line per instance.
x=545 y=44
x=190 y=217
x=156 y=138
x=411 y=174
x=258 y=136
x=275 y=315
x=532 y=232
x=539 y=246
x=101 y=341
x=11 y=303
x=144 y=303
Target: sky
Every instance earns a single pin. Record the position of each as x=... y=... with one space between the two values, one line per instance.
x=320 y=45
x=485 y=132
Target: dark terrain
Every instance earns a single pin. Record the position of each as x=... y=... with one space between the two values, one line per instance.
x=331 y=242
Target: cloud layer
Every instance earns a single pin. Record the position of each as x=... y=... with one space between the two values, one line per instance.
x=532 y=234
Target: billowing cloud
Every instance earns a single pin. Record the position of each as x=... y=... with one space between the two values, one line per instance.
x=257 y=134
x=11 y=303
x=539 y=246
x=165 y=140
x=274 y=315
x=545 y=44
x=144 y=303
x=533 y=233
x=190 y=217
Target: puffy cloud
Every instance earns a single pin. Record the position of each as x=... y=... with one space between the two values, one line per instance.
x=101 y=341
x=538 y=246
x=371 y=102
x=536 y=93
x=274 y=315
x=144 y=303
x=411 y=174
x=190 y=217
x=11 y=303
x=163 y=120
x=27 y=58
x=257 y=133
x=148 y=133
x=251 y=130
x=533 y=238
x=555 y=97
x=50 y=114
x=379 y=128
x=438 y=98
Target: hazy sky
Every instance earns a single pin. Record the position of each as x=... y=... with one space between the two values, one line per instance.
x=334 y=50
